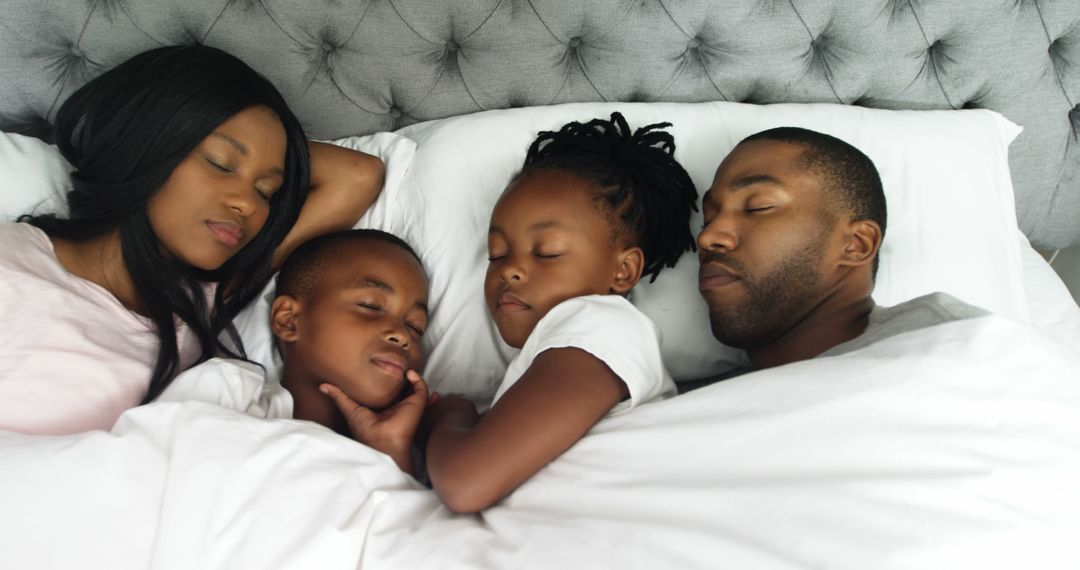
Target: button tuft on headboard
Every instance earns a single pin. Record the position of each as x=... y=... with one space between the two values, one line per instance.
x=694 y=42
x=451 y=46
x=574 y=43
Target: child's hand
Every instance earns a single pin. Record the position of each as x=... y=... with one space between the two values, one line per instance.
x=390 y=431
x=444 y=406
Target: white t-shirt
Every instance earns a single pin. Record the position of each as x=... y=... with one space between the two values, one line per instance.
x=609 y=328
x=72 y=357
x=918 y=313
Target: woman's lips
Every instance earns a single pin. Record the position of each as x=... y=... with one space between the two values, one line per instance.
x=714 y=277
x=228 y=233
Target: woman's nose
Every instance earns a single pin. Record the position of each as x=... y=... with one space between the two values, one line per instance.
x=241 y=200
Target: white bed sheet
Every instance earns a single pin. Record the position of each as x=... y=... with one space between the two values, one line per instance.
x=1050 y=305
x=953 y=447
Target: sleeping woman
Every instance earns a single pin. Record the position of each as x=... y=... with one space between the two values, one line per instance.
x=190 y=185
x=594 y=208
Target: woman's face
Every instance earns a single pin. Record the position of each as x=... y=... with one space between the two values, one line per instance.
x=218 y=198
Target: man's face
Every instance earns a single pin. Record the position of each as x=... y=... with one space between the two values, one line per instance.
x=764 y=247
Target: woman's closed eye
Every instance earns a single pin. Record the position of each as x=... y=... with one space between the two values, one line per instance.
x=265 y=193
x=547 y=254
x=370 y=306
x=415 y=328
x=217 y=165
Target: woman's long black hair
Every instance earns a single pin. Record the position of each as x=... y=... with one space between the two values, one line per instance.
x=643 y=185
x=124 y=132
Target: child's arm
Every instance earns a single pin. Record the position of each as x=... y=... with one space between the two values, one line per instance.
x=344 y=183
x=390 y=431
x=473 y=462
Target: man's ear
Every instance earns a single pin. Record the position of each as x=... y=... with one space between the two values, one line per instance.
x=284 y=314
x=862 y=240
x=628 y=267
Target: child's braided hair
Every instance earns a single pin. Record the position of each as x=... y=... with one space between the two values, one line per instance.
x=642 y=185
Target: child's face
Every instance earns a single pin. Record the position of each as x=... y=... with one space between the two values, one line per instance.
x=360 y=330
x=547 y=243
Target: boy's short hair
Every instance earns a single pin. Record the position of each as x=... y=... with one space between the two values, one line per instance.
x=302 y=270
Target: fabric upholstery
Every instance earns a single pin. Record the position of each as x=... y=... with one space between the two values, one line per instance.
x=352 y=67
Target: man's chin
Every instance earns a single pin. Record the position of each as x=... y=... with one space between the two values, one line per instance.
x=732 y=331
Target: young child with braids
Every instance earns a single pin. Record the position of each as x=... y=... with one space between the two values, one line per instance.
x=594 y=208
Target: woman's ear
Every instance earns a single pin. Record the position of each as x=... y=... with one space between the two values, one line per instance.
x=284 y=314
x=628 y=267
x=862 y=239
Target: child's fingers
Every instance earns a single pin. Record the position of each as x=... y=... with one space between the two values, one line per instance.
x=340 y=399
x=420 y=388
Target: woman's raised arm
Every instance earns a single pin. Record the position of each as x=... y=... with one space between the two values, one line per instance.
x=344 y=184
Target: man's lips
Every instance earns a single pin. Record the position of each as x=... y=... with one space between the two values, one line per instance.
x=228 y=233
x=511 y=302
x=714 y=276
x=393 y=364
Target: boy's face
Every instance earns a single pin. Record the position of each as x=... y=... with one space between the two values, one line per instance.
x=547 y=243
x=361 y=326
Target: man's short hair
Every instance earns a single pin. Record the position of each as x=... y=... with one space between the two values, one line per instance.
x=302 y=270
x=851 y=182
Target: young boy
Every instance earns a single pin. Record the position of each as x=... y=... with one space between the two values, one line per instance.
x=350 y=311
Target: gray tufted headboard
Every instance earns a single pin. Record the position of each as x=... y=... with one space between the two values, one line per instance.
x=358 y=66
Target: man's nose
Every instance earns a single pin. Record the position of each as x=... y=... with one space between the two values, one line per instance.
x=718 y=234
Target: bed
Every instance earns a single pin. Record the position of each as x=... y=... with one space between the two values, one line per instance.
x=959 y=448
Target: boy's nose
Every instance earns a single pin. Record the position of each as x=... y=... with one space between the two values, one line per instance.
x=513 y=272
x=398 y=337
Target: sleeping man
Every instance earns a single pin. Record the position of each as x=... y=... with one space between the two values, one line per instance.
x=794 y=221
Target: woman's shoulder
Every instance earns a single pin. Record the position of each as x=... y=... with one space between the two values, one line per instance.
x=25 y=246
x=22 y=230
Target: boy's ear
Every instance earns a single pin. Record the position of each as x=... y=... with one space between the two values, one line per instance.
x=862 y=239
x=628 y=268
x=284 y=314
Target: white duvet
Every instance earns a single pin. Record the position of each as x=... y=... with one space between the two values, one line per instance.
x=953 y=447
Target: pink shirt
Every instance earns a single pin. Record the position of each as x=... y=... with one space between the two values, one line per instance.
x=72 y=357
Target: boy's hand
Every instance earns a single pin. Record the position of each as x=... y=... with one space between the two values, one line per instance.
x=390 y=431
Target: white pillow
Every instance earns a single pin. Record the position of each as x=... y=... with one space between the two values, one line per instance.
x=33 y=177
x=952 y=223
